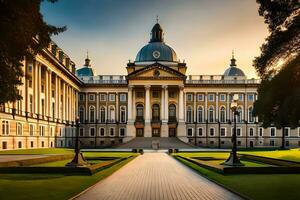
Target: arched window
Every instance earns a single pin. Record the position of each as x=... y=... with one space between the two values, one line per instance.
x=250 y=115
x=189 y=114
x=172 y=112
x=81 y=114
x=211 y=114
x=123 y=114
x=200 y=114
x=140 y=112
x=102 y=115
x=222 y=114
x=155 y=112
x=92 y=114
x=111 y=114
x=239 y=117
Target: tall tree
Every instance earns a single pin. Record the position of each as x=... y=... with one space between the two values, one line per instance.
x=23 y=33
x=279 y=65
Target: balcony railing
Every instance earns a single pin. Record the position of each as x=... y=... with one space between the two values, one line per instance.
x=91 y=81
x=224 y=81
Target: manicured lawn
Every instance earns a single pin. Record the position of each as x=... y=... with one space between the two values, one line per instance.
x=50 y=186
x=256 y=186
x=292 y=154
x=39 y=151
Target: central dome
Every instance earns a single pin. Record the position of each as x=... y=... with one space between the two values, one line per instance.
x=156 y=50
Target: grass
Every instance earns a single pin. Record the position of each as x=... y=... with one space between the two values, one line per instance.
x=290 y=155
x=39 y=151
x=245 y=162
x=50 y=186
x=258 y=187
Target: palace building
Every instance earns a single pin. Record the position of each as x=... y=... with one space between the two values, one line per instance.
x=155 y=99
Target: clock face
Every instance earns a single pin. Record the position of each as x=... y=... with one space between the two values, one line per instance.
x=156 y=54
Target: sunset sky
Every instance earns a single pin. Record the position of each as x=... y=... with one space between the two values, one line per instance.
x=202 y=32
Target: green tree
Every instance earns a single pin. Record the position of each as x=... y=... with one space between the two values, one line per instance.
x=23 y=33
x=278 y=65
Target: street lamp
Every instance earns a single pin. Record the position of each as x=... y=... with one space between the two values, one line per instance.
x=78 y=160
x=233 y=159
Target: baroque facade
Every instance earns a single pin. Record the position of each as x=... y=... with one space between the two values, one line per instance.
x=155 y=99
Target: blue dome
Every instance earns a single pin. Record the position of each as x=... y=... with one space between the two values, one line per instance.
x=156 y=51
x=233 y=71
x=85 y=71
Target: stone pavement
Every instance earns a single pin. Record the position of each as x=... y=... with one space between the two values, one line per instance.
x=156 y=176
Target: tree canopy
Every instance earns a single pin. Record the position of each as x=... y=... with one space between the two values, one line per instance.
x=20 y=22
x=279 y=64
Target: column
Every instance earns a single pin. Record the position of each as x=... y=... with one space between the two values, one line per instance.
x=181 y=104
x=162 y=103
x=129 y=101
x=97 y=108
x=130 y=128
x=195 y=108
x=205 y=107
x=228 y=107
x=58 y=99
x=147 y=129
x=166 y=102
x=217 y=107
x=117 y=106
x=181 y=128
x=50 y=114
x=147 y=103
x=133 y=109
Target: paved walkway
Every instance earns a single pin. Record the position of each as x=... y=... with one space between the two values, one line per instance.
x=156 y=176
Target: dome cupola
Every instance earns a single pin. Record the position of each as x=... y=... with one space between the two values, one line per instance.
x=86 y=70
x=156 y=49
x=233 y=70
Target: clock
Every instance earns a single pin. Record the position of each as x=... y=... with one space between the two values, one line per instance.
x=156 y=54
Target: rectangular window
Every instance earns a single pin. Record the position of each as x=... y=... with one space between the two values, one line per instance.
x=272 y=132
x=123 y=97
x=190 y=132
x=211 y=131
x=251 y=132
x=102 y=132
x=102 y=97
x=261 y=132
x=81 y=131
x=112 y=97
x=200 y=131
x=4 y=145
x=92 y=132
x=211 y=97
x=81 y=97
x=223 y=132
x=238 y=132
x=31 y=129
x=241 y=97
x=200 y=97
x=122 y=132
x=5 y=127
x=155 y=94
x=172 y=94
x=222 y=97
x=287 y=132
x=111 y=131
x=91 y=97
x=139 y=94
x=19 y=128
x=20 y=145
x=30 y=82
x=42 y=130
x=189 y=97
x=272 y=143
x=250 y=97
x=287 y=143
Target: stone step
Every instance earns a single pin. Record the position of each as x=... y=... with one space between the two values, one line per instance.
x=164 y=143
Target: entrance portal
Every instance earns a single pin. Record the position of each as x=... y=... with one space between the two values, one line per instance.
x=139 y=132
x=155 y=132
x=172 y=132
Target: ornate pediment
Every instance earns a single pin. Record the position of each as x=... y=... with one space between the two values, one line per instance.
x=156 y=71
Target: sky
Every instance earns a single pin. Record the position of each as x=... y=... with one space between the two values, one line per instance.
x=202 y=32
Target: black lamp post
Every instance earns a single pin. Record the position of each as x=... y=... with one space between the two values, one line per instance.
x=233 y=159
x=78 y=160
